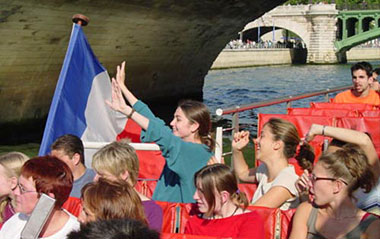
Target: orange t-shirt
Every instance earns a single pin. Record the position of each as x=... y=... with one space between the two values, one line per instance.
x=372 y=98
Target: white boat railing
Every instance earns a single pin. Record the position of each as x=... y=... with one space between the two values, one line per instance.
x=136 y=146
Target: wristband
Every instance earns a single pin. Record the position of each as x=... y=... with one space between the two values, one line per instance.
x=323 y=130
x=130 y=114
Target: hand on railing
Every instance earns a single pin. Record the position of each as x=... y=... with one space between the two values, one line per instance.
x=240 y=140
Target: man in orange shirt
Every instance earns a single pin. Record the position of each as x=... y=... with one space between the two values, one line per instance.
x=361 y=91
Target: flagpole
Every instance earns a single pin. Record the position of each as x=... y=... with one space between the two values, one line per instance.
x=81 y=20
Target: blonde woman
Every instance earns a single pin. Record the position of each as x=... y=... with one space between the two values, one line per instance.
x=10 y=166
x=118 y=161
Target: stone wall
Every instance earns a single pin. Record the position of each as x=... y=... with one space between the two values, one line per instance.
x=259 y=57
x=359 y=54
x=252 y=57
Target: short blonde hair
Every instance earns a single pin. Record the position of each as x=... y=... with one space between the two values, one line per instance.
x=116 y=158
x=12 y=162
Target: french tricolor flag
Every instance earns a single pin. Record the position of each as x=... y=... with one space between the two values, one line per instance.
x=78 y=105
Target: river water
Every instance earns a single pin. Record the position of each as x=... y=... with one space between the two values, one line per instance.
x=238 y=86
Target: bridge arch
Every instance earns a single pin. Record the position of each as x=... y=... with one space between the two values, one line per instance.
x=283 y=24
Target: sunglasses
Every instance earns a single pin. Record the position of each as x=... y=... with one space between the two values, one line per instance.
x=314 y=178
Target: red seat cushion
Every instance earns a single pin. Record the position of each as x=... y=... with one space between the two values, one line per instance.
x=269 y=216
x=73 y=205
x=286 y=222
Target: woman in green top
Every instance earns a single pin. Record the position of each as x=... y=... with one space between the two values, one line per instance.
x=186 y=148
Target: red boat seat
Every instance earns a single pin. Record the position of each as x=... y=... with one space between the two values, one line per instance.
x=146 y=186
x=186 y=236
x=370 y=125
x=286 y=218
x=326 y=105
x=249 y=189
x=73 y=205
x=334 y=112
x=269 y=216
x=176 y=215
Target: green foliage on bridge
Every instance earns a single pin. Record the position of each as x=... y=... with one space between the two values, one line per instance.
x=360 y=3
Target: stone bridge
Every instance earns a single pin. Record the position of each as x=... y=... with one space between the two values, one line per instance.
x=326 y=32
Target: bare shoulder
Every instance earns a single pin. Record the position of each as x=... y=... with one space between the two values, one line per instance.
x=373 y=231
x=304 y=208
x=299 y=227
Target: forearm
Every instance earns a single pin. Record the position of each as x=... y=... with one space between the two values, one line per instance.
x=354 y=137
x=128 y=95
x=141 y=120
x=346 y=135
x=241 y=167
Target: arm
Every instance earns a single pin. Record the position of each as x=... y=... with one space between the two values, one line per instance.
x=118 y=104
x=373 y=231
x=349 y=136
x=132 y=100
x=239 y=141
x=299 y=226
x=120 y=77
x=274 y=198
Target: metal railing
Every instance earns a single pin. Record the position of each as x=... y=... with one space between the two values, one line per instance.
x=236 y=109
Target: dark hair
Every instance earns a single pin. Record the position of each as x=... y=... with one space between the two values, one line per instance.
x=350 y=164
x=337 y=143
x=50 y=175
x=363 y=65
x=219 y=177
x=112 y=199
x=197 y=112
x=70 y=144
x=377 y=71
x=114 y=229
x=286 y=132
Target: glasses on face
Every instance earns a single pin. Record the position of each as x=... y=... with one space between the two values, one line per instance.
x=23 y=190
x=314 y=178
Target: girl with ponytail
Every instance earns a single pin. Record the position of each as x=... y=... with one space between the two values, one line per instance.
x=278 y=142
x=186 y=147
x=222 y=206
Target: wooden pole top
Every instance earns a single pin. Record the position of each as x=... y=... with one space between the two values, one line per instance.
x=80 y=19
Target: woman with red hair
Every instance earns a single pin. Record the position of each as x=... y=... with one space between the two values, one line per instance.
x=52 y=177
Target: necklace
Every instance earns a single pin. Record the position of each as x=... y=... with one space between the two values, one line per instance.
x=233 y=213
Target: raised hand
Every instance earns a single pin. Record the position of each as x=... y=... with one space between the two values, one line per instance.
x=120 y=74
x=117 y=102
x=315 y=129
x=303 y=182
x=241 y=139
